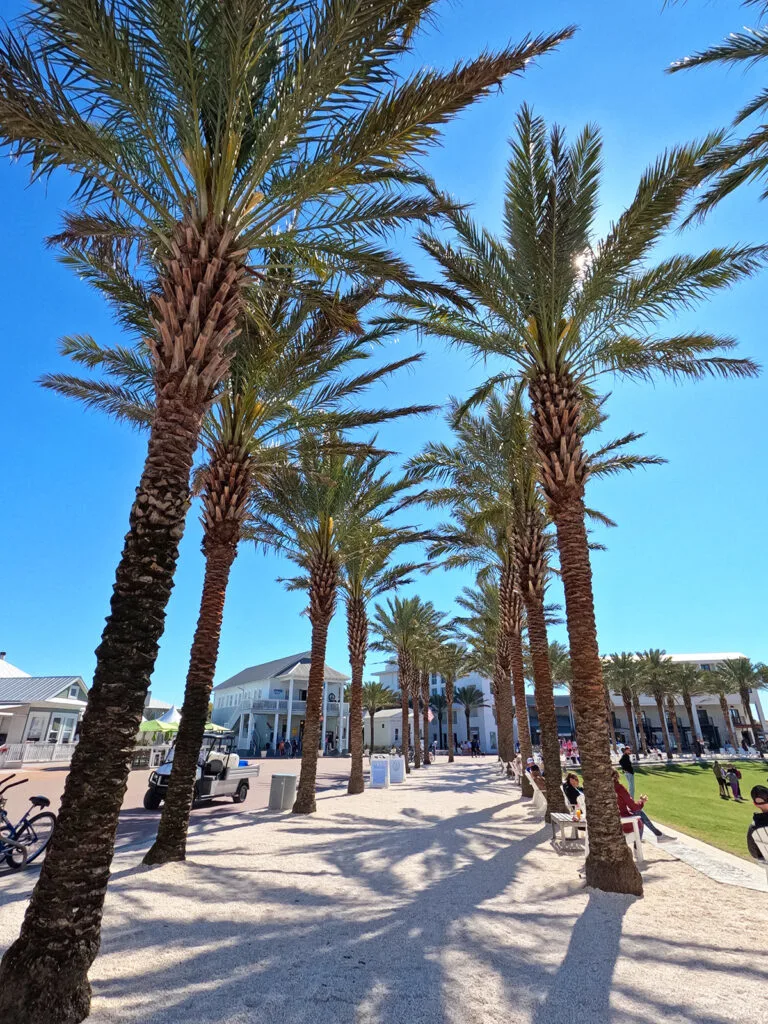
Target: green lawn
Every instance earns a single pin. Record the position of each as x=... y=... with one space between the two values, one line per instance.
x=687 y=797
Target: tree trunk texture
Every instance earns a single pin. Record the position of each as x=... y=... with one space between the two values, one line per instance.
x=322 y=602
x=467 y=715
x=518 y=684
x=672 y=711
x=630 y=724
x=226 y=490
x=496 y=686
x=171 y=841
x=509 y=616
x=357 y=640
x=425 y=712
x=545 y=702
x=663 y=719
x=689 y=711
x=449 y=715
x=728 y=720
x=403 y=676
x=556 y=403
x=609 y=717
x=744 y=695
x=415 y=689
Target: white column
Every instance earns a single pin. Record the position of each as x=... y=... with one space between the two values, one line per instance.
x=696 y=723
x=759 y=709
x=275 y=726
x=290 y=711
x=341 y=718
x=324 y=723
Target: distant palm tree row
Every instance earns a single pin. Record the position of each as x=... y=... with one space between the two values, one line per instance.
x=239 y=171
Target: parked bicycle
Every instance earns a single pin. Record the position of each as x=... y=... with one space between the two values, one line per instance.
x=20 y=844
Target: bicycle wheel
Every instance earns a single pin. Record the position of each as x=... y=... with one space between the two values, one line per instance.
x=12 y=852
x=36 y=833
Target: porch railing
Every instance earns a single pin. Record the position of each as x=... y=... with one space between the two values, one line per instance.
x=28 y=753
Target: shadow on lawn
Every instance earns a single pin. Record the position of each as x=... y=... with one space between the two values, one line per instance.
x=388 y=937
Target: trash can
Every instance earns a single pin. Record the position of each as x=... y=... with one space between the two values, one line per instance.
x=282 y=792
x=379 y=771
x=396 y=769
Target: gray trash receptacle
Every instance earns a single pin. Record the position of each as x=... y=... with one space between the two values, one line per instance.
x=282 y=792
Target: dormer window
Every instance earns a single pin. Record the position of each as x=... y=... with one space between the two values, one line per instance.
x=74 y=692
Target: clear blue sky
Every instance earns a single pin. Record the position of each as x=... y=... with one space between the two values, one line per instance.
x=685 y=570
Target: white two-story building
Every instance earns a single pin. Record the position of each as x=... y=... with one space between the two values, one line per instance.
x=266 y=704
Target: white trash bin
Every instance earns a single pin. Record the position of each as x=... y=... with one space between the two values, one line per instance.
x=282 y=792
x=396 y=769
x=379 y=771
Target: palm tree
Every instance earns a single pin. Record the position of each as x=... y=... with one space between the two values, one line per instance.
x=397 y=627
x=721 y=687
x=471 y=698
x=286 y=378
x=375 y=697
x=368 y=544
x=439 y=704
x=430 y=638
x=655 y=678
x=452 y=665
x=561 y=308
x=559 y=663
x=622 y=673
x=303 y=513
x=490 y=649
x=198 y=134
x=688 y=681
x=741 y=676
x=734 y=161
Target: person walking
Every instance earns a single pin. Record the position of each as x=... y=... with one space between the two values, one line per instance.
x=625 y=763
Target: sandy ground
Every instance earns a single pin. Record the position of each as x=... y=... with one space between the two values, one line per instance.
x=438 y=901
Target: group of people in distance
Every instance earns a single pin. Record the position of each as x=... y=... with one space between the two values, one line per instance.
x=728 y=776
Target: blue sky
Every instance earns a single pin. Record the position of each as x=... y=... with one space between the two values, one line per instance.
x=684 y=571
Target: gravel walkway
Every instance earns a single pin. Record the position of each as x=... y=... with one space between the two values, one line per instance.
x=437 y=902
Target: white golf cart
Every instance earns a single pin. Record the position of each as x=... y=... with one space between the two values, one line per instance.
x=219 y=773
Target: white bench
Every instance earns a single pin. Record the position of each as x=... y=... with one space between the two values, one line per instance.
x=539 y=800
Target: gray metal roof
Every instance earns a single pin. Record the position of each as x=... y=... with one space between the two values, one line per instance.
x=24 y=689
x=296 y=666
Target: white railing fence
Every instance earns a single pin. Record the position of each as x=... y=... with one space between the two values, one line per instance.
x=29 y=753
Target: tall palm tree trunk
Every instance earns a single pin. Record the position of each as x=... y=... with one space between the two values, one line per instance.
x=663 y=719
x=610 y=865
x=403 y=676
x=449 y=715
x=440 y=730
x=414 y=688
x=466 y=715
x=689 y=711
x=545 y=702
x=609 y=716
x=227 y=487
x=627 y=701
x=744 y=695
x=556 y=403
x=639 y=724
x=509 y=608
x=672 y=712
x=518 y=685
x=357 y=641
x=171 y=841
x=44 y=974
x=425 y=712
x=322 y=602
x=728 y=720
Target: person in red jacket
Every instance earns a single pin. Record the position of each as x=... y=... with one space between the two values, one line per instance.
x=629 y=807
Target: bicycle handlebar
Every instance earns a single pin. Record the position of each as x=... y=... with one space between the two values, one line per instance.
x=11 y=784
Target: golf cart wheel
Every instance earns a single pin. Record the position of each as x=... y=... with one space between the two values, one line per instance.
x=241 y=793
x=152 y=800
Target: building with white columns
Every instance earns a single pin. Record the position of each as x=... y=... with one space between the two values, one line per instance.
x=267 y=703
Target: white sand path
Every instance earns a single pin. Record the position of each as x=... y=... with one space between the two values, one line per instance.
x=437 y=902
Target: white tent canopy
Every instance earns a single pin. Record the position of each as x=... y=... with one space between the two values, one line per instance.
x=171 y=717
